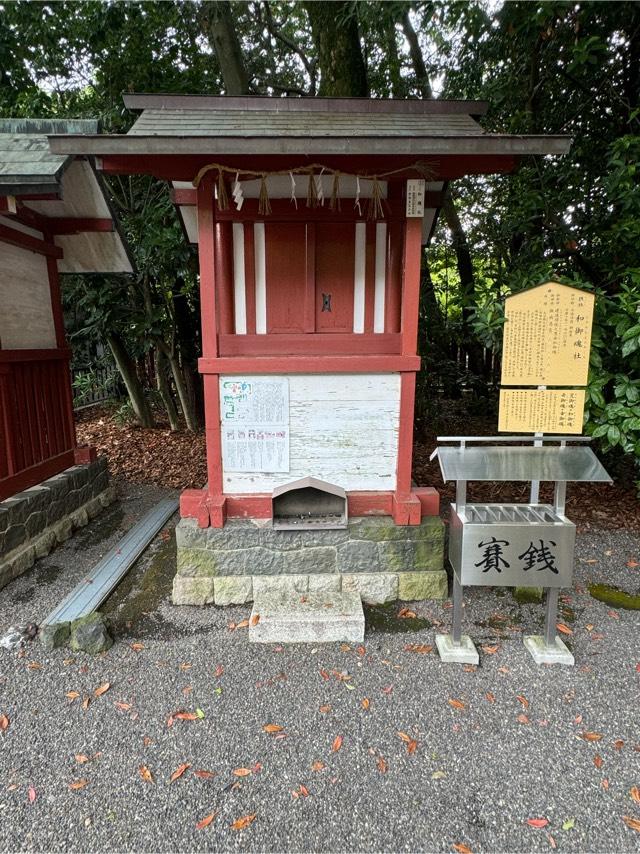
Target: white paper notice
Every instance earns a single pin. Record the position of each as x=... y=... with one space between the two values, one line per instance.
x=254 y=414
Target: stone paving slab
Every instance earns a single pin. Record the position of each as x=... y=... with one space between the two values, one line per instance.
x=307 y=618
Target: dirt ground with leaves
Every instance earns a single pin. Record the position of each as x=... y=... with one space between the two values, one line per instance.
x=183 y=737
x=177 y=460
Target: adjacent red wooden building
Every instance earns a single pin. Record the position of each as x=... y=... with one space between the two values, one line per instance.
x=54 y=219
x=310 y=218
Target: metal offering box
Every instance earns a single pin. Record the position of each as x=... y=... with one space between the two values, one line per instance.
x=513 y=545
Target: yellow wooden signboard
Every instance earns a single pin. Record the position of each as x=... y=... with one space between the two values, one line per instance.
x=549 y=411
x=547 y=336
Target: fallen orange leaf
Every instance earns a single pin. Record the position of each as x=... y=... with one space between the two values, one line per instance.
x=124 y=707
x=206 y=821
x=523 y=700
x=85 y=703
x=461 y=848
x=102 y=690
x=272 y=728
x=204 y=775
x=523 y=719
x=185 y=716
x=591 y=736
x=34 y=665
x=635 y=794
x=490 y=697
x=241 y=772
x=179 y=771
x=318 y=766
x=78 y=784
x=325 y=709
x=242 y=624
x=422 y=648
x=146 y=775
x=633 y=823
x=361 y=650
x=406 y=738
x=564 y=629
x=538 y=822
x=32 y=794
x=618 y=744
x=72 y=695
x=382 y=765
x=598 y=760
x=245 y=821
x=407 y=614
x=255 y=619
x=136 y=647
x=365 y=703
x=80 y=757
x=337 y=744
x=412 y=746
x=490 y=650
x=4 y=723
x=457 y=704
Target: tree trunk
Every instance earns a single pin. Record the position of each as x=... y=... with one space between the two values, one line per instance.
x=165 y=391
x=422 y=77
x=334 y=27
x=217 y=19
x=127 y=368
x=186 y=404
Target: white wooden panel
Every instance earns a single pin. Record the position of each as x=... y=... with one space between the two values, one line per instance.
x=359 y=277
x=239 y=290
x=26 y=318
x=279 y=187
x=19 y=226
x=380 y=277
x=261 y=278
x=343 y=428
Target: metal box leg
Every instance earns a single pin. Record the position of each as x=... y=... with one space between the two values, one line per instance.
x=548 y=648
x=457 y=648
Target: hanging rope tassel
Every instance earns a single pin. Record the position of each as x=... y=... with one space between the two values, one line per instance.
x=312 y=192
x=356 y=204
x=223 y=198
x=334 y=202
x=375 y=209
x=264 y=205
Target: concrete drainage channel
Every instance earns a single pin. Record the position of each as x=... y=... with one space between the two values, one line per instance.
x=75 y=619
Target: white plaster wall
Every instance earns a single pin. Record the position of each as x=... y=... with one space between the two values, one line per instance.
x=26 y=319
x=343 y=429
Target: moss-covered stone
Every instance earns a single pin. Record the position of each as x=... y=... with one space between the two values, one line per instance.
x=410 y=555
x=528 y=595
x=192 y=591
x=54 y=636
x=232 y=590
x=90 y=634
x=413 y=586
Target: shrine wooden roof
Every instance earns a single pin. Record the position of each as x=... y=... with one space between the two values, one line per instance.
x=191 y=124
x=61 y=191
x=27 y=163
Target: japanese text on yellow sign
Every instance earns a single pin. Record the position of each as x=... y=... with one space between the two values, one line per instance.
x=547 y=336
x=548 y=411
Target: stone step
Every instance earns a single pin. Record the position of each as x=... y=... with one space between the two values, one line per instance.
x=307 y=618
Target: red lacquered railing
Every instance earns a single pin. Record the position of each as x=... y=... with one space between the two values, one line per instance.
x=37 y=435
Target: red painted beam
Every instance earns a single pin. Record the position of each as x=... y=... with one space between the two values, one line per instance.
x=308 y=364
x=184 y=196
x=311 y=344
x=26 y=241
x=75 y=225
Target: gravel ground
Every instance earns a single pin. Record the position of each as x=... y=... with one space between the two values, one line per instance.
x=513 y=751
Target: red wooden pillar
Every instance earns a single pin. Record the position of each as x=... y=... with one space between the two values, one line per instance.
x=206 y=250
x=407 y=507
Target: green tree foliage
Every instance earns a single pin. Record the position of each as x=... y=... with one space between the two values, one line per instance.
x=544 y=67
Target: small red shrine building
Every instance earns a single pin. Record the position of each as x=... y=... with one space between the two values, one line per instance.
x=54 y=219
x=310 y=217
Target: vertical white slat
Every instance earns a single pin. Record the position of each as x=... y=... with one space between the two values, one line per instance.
x=239 y=289
x=261 y=278
x=380 y=277
x=359 y=277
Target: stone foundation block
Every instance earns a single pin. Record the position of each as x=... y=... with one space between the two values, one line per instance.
x=232 y=590
x=327 y=583
x=375 y=588
x=279 y=584
x=422 y=585
x=192 y=591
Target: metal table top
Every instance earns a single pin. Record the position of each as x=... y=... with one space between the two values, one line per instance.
x=571 y=463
